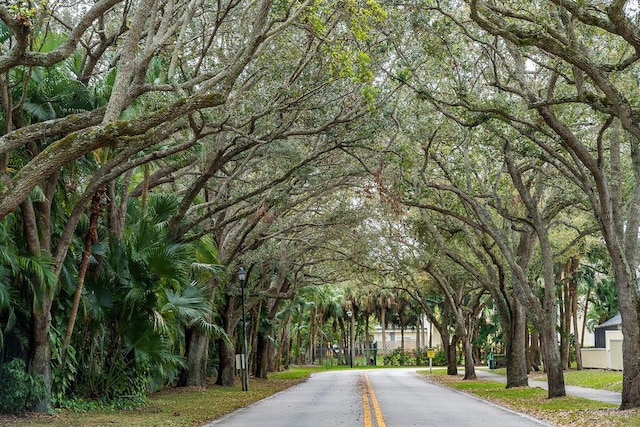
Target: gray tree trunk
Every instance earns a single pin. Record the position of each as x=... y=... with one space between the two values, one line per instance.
x=197 y=355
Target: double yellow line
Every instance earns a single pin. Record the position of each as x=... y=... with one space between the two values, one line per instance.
x=369 y=401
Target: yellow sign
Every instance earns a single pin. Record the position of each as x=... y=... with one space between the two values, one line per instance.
x=431 y=353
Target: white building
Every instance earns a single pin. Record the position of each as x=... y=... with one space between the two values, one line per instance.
x=423 y=337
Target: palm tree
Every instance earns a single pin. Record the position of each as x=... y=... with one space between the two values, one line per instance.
x=367 y=304
x=384 y=301
x=138 y=304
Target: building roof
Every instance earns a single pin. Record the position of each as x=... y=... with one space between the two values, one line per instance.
x=614 y=321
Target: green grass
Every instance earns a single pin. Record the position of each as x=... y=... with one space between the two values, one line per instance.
x=177 y=407
x=296 y=373
x=591 y=378
x=564 y=411
x=595 y=378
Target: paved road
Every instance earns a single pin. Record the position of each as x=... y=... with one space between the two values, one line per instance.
x=386 y=397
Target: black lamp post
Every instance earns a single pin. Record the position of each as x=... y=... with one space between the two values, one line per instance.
x=349 y=314
x=242 y=277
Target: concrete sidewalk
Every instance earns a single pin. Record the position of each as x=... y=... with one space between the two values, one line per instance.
x=588 y=393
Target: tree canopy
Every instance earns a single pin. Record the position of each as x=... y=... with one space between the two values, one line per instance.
x=394 y=160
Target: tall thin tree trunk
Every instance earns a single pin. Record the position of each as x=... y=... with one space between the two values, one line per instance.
x=452 y=356
x=586 y=310
x=469 y=367
x=402 y=344
x=227 y=348
x=90 y=238
x=573 y=294
x=383 y=321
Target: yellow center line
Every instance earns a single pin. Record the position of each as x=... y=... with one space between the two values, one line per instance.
x=366 y=409
x=374 y=401
x=369 y=394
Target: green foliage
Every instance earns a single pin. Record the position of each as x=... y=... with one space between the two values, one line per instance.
x=20 y=390
x=63 y=370
x=399 y=358
x=137 y=302
x=439 y=358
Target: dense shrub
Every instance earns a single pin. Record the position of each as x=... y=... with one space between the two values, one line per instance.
x=20 y=390
x=396 y=358
x=439 y=359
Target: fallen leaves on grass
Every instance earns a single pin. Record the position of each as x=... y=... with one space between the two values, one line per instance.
x=579 y=412
x=173 y=407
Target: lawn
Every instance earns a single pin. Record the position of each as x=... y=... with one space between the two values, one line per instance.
x=176 y=407
x=591 y=378
x=565 y=411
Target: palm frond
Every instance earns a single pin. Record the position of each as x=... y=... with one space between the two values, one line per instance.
x=189 y=304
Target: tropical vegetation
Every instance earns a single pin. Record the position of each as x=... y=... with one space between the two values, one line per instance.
x=469 y=165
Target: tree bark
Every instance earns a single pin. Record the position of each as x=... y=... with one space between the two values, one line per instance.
x=197 y=355
x=469 y=366
x=552 y=361
x=227 y=349
x=514 y=327
x=452 y=355
x=535 y=350
x=40 y=357
x=226 y=366
x=90 y=238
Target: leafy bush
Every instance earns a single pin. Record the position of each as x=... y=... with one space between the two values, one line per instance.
x=397 y=356
x=20 y=390
x=439 y=359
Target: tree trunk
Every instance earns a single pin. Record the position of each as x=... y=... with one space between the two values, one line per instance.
x=197 y=355
x=515 y=350
x=418 y=333
x=535 y=350
x=367 y=344
x=383 y=321
x=226 y=366
x=40 y=357
x=197 y=348
x=627 y=296
x=566 y=355
x=452 y=356
x=573 y=294
x=90 y=238
x=586 y=310
x=265 y=348
x=552 y=361
x=401 y=344
x=283 y=352
x=262 y=356
x=227 y=350
x=469 y=368
x=352 y=338
x=299 y=353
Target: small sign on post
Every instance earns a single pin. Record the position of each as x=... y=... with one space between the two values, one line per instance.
x=240 y=362
x=431 y=353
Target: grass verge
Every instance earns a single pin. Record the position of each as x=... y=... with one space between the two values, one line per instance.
x=177 y=407
x=563 y=412
x=591 y=378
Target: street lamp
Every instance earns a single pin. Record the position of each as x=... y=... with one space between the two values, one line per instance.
x=242 y=277
x=349 y=314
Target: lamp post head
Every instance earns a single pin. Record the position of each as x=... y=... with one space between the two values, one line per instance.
x=242 y=275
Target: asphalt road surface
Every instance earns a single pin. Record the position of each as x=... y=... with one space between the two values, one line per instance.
x=386 y=397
